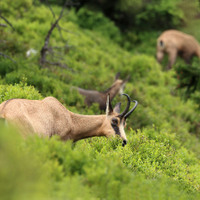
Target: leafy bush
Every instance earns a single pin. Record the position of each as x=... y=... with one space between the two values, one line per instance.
x=47 y=86
x=152 y=165
x=141 y=14
x=19 y=7
x=162 y=15
x=20 y=176
x=6 y=66
x=18 y=91
x=189 y=80
x=153 y=153
x=96 y=21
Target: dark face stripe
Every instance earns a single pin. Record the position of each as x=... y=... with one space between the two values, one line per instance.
x=116 y=129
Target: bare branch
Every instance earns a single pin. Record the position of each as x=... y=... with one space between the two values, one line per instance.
x=5 y=56
x=3 y=25
x=54 y=16
x=46 y=48
x=68 y=31
x=60 y=32
x=7 y=22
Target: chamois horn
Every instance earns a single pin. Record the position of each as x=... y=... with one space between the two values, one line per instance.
x=127 y=106
x=127 y=114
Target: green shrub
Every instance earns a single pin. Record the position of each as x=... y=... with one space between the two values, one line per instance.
x=18 y=8
x=152 y=165
x=165 y=14
x=18 y=91
x=153 y=153
x=21 y=175
x=102 y=168
x=141 y=15
x=47 y=86
x=6 y=66
x=97 y=22
x=189 y=79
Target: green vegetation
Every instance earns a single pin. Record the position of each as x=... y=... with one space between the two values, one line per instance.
x=189 y=80
x=152 y=165
x=161 y=159
x=139 y=14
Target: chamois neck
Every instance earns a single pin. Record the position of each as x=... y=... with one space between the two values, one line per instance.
x=113 y=90
x=87 y=126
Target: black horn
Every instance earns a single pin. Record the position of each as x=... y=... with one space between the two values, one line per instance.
x=127 y=114
x=127 y=106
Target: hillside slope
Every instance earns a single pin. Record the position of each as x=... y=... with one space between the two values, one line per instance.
x=162 y=132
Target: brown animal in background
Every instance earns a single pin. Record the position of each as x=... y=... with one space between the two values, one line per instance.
x=93 y=96
x=49 y=117
x=175 y=43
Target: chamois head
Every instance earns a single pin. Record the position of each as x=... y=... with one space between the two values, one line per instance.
x=115 y=122
x=119 y=84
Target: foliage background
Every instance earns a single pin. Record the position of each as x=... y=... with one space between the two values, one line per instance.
x=161 y=159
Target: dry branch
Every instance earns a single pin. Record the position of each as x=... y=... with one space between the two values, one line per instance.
x=6 y=22
x=46 y=48
x=3 y=25
x=6 y=56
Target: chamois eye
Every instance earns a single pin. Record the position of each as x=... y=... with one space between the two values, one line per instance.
x=114 y=121
x=124 y=122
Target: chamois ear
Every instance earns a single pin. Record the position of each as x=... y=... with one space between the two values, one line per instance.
x=117 y=76
x=117 y=108
x=109 y=108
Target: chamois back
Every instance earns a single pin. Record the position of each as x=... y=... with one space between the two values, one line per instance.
x=40 y=116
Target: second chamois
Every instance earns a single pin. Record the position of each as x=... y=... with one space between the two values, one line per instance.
x=93 y=96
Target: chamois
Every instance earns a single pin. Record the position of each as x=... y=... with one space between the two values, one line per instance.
x=93 y=96
x=176 y=43
x=49 y=117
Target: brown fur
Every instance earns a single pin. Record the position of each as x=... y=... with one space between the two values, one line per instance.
x=175 y=43
x=92 y=96
x=49 y=117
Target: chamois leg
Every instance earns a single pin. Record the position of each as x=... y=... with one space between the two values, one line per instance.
x=171 y=58
x=187 y=57
x=159 y=56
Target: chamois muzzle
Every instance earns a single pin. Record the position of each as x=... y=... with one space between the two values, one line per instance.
x=125 y=113
x=124 y=143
